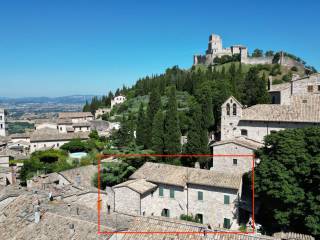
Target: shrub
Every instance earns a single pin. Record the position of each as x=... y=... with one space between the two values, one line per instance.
x=189 y=218
x=75 y=145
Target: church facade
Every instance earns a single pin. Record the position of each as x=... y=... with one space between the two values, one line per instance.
x=295 y=105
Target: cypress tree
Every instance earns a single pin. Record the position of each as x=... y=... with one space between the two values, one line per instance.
x=197 y=137
x=153 y=107
x=158 y=133
x=172 y=130
x=255 y=89
x=141 y=122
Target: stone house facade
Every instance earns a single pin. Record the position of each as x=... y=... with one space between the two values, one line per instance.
x=100 y=111
x=2 y=123
x=282 y=93
x=171 y=191
x=47 y=139
x=117 y=100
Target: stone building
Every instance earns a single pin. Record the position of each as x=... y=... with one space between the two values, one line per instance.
x=117 y=100
x=2 y=123
x=296 y=105
x=282 y=93
x=101 y=111
x=166 y=190
x=52 y=139
x=215 y=49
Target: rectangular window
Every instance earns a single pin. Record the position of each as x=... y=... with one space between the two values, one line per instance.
x=165 y=212
x=310 y=88
x=318 y=88
x=1 y=126
x=171 y=193
x=226 y=223
x=199 y=218
x=235 y=161
x=161 y=191
x=200 y=196
x=244 y=132
x=226 y=199
x=0 y=117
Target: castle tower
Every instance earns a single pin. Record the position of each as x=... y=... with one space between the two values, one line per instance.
x=2 y=123
x=215 y=44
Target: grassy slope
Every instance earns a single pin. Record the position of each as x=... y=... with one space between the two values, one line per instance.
x=246 y=67
x=133 y=104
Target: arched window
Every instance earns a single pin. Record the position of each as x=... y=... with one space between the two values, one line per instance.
x=228 y=109
x=234 y=109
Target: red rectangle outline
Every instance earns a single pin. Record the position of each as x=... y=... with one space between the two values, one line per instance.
x=102 y=156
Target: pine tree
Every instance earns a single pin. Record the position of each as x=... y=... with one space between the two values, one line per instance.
x=141 y=125
x=158 y=133
x=172 y=131
x=153 y=107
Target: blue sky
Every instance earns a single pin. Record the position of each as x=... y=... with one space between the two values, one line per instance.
x=64 y=47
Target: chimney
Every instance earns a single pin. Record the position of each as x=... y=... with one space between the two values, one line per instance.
x=71 y=227
x=269 y=83
x=36 y=214
x=197 y=165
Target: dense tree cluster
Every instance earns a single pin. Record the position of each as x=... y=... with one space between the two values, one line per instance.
x=287 y=181
x=159 y=124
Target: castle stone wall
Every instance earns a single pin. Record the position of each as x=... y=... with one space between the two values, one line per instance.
x=257 y=60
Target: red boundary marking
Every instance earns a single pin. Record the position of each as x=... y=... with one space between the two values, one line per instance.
x=102 y=156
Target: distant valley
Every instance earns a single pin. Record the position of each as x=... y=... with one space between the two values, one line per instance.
x=28 y=108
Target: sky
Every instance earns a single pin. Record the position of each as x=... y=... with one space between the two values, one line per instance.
x=66 y=47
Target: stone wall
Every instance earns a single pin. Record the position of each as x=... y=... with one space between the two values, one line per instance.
x=226 y=164
x=300 y=87
x=258 y=130
x=154 y=204
x=289 y=62
x=34 y=146
x=257 y=60
x=127 y=201
x=212 y=206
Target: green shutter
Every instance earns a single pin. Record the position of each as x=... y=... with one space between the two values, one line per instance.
x=171 y=193
x=226 y=223
x=226 y=199
x=200 y=196
x=161 y=191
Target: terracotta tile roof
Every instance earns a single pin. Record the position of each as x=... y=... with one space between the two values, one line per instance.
x=279 y=87
x=138 y=185
x=54 y=136
x=75 y=114
x=292 y=235
x=180 y=176
x=19 y=135
x=81 y=124
x=240 y=141
x=302 y=109
x=64 y=121
x=161 y=224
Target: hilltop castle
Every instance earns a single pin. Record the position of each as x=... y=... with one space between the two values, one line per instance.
x=215 y=49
